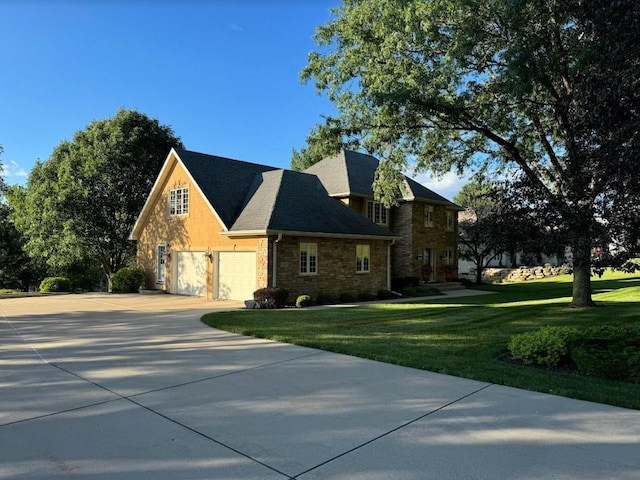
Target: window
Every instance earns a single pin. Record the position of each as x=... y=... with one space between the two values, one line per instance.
x=428 y=215
x=447 y=256
x=362 y=258
x=376 y=212
x=450 y=220
x=308 y=258
x=179 y=201
x=161 y=259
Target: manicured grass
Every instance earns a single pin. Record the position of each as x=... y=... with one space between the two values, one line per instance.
x=460 y=336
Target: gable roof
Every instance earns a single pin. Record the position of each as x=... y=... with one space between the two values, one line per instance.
x=249 y=198
x=352 y=173
x=282 y=201
x=224 y=182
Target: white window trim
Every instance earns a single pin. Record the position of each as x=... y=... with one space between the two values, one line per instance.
x=429 y=219
x=182 y=208
x=382 y=211
x=365 y=257
x=450 y=221
x=447 y=256
x=161 y=263
x=306 y=268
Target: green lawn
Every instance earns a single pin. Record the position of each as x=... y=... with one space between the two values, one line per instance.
x=459 y=336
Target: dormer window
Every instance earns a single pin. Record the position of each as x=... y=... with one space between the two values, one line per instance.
x=179 y=201
x=377 y=213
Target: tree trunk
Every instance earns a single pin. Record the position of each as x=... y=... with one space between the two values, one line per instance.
x=582 y=274
x=479 y=274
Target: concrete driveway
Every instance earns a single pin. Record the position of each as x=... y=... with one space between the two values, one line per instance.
x=135 y=387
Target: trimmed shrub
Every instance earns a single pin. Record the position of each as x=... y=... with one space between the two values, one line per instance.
x=325 y=299
x=385 y=294
x=400 y=283
x=611 y=352
x=345 y=297
x=8 y=291
x=127 y=280
x=271 y=297
x=548 y=346
x=303 y=301
x=55 y=284
x=420 y=291
x=365 y=297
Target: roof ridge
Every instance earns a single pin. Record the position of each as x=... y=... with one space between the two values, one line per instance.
x=179 y=150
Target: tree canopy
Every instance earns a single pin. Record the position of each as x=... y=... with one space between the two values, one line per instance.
x=3 y=185
x=542 y=92
x=80 y=205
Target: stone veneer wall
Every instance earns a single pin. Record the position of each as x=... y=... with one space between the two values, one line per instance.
x=409 y=224
x=402 y=249
x=336 y=267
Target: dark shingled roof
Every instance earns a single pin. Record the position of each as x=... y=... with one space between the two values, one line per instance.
x=353 y=173
x=252 y=197
x=223 y=181
x=283 y=200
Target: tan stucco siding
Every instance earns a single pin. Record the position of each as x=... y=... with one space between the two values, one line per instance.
x=199 y=230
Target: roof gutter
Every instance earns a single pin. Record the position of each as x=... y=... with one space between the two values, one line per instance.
x=253 y=233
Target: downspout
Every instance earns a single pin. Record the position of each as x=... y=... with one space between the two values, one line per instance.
x=393 y=241
x=275 y=261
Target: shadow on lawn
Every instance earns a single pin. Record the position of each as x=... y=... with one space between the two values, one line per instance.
x=543 y=290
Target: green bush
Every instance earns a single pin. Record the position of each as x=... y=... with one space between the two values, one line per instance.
x=345 y=297
x=127 y=280
x=385 y=294
x=409 y=291
x=55 y=284
x=325 y=299
x=548 y=346
x=420 y=291
x=8 y=291
x=611 y=352
x=271 y=297
x=365 y=297
x=303 y=301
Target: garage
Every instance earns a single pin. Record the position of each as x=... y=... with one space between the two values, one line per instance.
x=191 y=274
x=236 y=275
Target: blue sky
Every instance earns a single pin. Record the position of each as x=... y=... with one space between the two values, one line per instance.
x=224 y=74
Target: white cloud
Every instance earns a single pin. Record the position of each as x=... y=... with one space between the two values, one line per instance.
x=448 y=185
x=11 y=170
x=236 y=27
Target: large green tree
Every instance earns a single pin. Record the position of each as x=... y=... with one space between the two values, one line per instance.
x=80 y=205
x=3 y=185
x=543 y=91
x=14 y=264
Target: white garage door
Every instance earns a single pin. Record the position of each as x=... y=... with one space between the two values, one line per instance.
x=236 y=275
x=191 y=277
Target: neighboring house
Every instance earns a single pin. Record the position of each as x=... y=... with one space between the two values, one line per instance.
x=495 y=258
x=223 y=228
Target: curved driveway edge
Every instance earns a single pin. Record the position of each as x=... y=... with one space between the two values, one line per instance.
x=131 y=386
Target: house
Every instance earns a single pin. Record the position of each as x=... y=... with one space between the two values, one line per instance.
x=222 y=228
